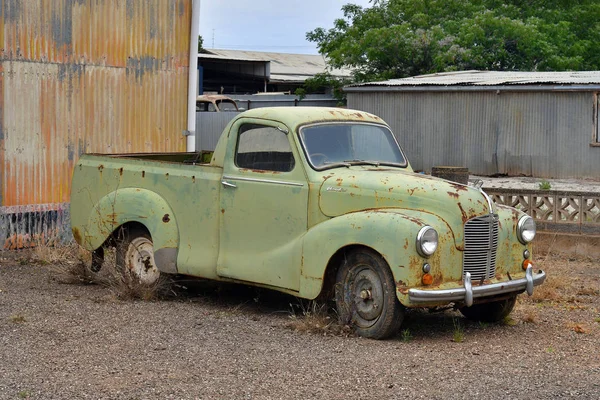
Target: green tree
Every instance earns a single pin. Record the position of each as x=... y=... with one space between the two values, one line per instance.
x=399 y=38
x=200 y=44
x=324 y=82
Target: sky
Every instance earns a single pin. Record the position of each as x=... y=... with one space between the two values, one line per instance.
x=267 y=25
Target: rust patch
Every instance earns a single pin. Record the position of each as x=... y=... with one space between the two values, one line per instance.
x=143 y=174
x=359 y=115
x=401 y=286
x=222 y=211
x=354 y=186
x=459 y=187
x=465 y=217
x=339 y=181
x=405 y=244
x=411 y=191
x=166 y=218
x=76 y=235
x=100 y=167
x=121 y=171
x=193 y=178
x=390 y=189
x=167 y=176
x=453 y=194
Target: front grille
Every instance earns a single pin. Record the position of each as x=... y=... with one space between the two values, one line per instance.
x=481 y=244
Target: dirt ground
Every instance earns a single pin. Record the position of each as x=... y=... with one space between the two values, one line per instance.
x=82 y=341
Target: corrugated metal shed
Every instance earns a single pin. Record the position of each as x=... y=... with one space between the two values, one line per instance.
x=77 y=76
x=283 y=67
x=517 y=123
x=455 y=80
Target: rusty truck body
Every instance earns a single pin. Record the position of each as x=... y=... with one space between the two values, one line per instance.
x=312 y=202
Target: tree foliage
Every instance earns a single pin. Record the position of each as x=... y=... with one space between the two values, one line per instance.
x=324 y=82
x=399 y=38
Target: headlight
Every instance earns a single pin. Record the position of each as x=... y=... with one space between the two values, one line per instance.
x=526 y=229
x=427 y=241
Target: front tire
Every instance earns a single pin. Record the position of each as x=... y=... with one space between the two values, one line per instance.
x=135 y=257
x=494 y=311
x=365 y=295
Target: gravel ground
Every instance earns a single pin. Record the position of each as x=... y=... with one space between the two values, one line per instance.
x=74 y=341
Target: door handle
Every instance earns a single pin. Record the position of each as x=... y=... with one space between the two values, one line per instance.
x=227 y=184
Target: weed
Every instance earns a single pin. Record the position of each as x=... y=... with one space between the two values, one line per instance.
x=597 y=320
x=509 y=321
x=550 y=349
x=458 y=335
x=530 y=317
x=72 y=265
x=579 y=328
x=24 y=394
x=313 y=317
x=17 y=319
x=406 y=336
x=545 y=185
x=483 y=324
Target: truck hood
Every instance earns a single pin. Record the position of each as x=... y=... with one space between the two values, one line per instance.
x=365 y=188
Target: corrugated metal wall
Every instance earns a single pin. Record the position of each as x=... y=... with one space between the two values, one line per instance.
x=542 y=134
x=209 y=126
x=79 y=76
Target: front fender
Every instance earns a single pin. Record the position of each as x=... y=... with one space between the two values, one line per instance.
x=136 y=205
x=392 y=233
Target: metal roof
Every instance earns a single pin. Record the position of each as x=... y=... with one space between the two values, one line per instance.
x=284 y=67
x=477 y=80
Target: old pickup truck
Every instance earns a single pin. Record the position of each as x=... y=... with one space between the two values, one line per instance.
x=312 y=202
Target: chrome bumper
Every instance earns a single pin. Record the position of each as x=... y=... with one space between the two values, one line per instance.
x=469 y=292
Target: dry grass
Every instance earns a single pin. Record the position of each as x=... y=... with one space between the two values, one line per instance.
x=71 y=265
x=561 y=284
x=314 y=317
x=579 y=328
x=530 y=317
x=17 y=319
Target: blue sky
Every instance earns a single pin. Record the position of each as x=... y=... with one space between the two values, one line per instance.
x=267 y=25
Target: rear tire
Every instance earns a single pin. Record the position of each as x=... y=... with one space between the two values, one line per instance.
x=490 y=312
x=365 y=295
x=135 y=257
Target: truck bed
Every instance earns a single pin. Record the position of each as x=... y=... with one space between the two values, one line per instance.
x=202 y=157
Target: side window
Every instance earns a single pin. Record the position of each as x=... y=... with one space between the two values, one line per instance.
x=263 y=148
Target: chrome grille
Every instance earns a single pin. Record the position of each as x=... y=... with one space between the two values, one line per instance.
x=481 y=244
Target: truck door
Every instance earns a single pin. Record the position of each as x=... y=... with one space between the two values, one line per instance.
x=264 y=202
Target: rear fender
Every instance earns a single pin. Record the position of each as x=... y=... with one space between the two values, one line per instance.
x=136 y=205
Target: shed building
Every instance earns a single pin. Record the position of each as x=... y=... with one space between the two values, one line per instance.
x=541 y=124
x=248 y=72
x=105 y=76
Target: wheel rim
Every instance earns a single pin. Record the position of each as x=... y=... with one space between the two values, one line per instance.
x=140 y=260
x=366 y=291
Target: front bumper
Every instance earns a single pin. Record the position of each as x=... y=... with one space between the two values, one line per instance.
x=467 y=293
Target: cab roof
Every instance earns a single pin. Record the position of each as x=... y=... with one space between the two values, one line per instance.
x=294 y=117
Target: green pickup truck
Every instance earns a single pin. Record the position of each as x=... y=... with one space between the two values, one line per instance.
x=314 y=202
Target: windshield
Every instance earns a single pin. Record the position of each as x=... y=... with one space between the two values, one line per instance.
x=344 y=144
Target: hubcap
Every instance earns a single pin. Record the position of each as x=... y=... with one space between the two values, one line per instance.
x=367 y=292
x=140 y=260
